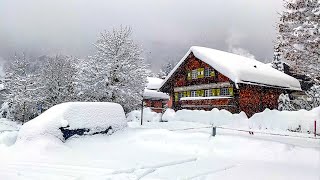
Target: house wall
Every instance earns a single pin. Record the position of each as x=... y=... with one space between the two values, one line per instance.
x=155 y=105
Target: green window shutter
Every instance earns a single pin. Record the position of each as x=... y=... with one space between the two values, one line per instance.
x=202 y=93
x=188 y=93
x=212 y=73
x=198 y=93
x=214 y=92
x=189 y=75
x=176 y=96
x=185 y=94
x=218 y=92
x=200 y=72
x=231 y=91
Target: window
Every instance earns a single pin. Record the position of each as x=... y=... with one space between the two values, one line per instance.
x=194 y=74
x=193 y=93
x=207 y=72
x=207 y=93
x=180 y=95
x=224 y=92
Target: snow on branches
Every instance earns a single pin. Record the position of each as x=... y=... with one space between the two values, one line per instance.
x=117 y=72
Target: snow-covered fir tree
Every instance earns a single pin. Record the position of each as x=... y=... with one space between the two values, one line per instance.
x=58 y=81
x=117 y=72
x=166 y=69
x=299 y=35
x=277 y=63
x=23 y=87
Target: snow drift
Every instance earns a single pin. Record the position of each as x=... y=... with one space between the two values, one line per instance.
x=148 y=115
x=94 y=116
x=274 y=120
x=298 y=121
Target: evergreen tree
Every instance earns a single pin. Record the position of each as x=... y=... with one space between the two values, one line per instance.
x=299 y=35
x=166 y=69
x=284 y=103
x=277 y=63
x=117 y=72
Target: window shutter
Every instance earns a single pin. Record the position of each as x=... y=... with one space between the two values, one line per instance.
x=214 y=92
x=212 y=73
x=202 y=93
x=201 y=73
x=189 y=75
x=185 y=94
x=188 y=93
x=231 y=91
x=198 y=93
x=176 y=96
x=218 y=92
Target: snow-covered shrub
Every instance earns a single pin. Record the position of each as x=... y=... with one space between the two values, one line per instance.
x=299 y=121
x=148 y=115
x=215 y=117
x=284 y=103
x=93 y=116
x=8 y=137
x=169 y=115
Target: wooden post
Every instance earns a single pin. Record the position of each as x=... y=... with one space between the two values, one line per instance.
x=315 y=128
x=141 y=112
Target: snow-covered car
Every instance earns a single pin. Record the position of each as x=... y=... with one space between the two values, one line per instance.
x=75 y=118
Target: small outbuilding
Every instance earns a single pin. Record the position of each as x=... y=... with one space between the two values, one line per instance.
x=207 y=78
x=157 y=101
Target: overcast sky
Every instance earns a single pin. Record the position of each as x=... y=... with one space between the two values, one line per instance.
x=165 y=28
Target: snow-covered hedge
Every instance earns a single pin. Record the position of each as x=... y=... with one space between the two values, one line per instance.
x=94 y=116
x=215 y=117
x=148 y=115
x=299 y=121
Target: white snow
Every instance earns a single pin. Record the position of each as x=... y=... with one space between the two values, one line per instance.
x=154 y=83
x=148 y=115
x=153 y=94
x=269 y=120
x=161 y=153
x=95 y=116
x=151 y=91
x=240 y=69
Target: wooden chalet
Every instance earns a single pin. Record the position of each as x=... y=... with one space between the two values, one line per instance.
x=207 y=78
x=157 y=101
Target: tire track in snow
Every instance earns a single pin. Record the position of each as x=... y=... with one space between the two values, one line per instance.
x=211 y=172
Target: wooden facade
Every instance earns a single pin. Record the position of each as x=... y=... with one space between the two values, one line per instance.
x=210 y=89
x=156 y=105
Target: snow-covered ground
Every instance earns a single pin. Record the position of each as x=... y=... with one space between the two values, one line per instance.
x=167 y=150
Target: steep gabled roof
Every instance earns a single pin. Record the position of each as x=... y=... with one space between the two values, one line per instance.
x=240 y=69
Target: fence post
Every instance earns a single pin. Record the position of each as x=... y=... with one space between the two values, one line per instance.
x=214 y=131
x=315 y=128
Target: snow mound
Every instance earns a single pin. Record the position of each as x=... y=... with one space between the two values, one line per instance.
x=299 y=121
x=214 y=117
x=148 y=115
x=8 y=137
x=169 y=115
x=95 y=116
x=154 y=83
x=8 y=125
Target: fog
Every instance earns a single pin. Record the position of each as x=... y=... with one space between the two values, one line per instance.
x=165 y=29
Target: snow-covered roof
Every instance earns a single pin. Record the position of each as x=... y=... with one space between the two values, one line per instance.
x=240 y=69
x=154 y=83
x=153 y=94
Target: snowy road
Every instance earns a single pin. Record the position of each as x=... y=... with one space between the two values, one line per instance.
x=155 y=152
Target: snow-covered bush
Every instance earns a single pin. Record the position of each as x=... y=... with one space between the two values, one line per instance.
x=94 y=116
x=215 y=117
x=298 y=121
x=169 y=115
x=148 y=115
